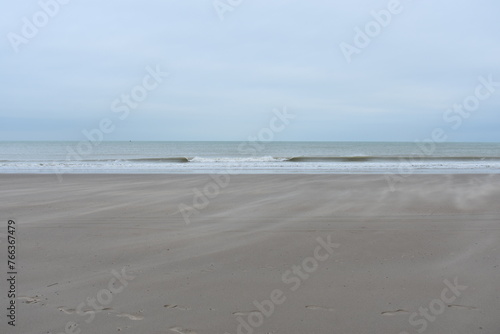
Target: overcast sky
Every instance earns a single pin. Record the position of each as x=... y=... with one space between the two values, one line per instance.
x=230 y=66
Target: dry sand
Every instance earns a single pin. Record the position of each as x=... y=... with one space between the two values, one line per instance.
x=424 y=257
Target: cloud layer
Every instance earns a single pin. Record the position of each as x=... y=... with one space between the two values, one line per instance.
x=226 y=76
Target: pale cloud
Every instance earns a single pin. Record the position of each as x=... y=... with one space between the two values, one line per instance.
x=226 y=76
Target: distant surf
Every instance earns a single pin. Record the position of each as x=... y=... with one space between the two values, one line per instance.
x=313 y=159
x=272 y=157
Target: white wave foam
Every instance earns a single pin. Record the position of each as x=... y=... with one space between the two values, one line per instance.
x=237 y=159
x=247 y=165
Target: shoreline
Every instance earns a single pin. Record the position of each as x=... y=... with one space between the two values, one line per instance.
x=267 y=172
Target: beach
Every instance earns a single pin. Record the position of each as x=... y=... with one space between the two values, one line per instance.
x=194 y=254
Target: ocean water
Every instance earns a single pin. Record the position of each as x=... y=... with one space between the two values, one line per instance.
x=248 y=157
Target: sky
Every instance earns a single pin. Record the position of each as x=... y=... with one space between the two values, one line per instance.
x=352 y=70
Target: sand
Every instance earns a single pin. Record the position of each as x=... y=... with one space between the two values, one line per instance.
x=259 y=254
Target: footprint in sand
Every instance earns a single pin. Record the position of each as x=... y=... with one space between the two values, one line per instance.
x=30 y=300
x=182 y=330
x=177 y=307
x=314 y=307
x=391 y=313
x=463 y=307
x=66 y=310
x=130 y=316
x=245 y=313
x=119 y=329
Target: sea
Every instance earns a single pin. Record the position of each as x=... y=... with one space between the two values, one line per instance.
x=180 y=157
